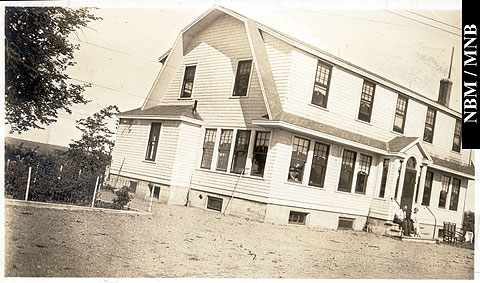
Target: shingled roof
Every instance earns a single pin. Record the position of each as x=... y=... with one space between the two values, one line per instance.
x=399 y=143
x=470 y=170
x=164 y=111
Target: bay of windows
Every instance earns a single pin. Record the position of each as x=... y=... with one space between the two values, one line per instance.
x=233 y=148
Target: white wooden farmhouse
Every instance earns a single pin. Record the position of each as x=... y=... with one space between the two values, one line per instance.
x=249 y=121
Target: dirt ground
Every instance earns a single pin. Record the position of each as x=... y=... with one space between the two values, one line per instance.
x=184 y=242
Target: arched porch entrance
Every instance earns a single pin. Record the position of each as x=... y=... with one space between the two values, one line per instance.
x=409 y=182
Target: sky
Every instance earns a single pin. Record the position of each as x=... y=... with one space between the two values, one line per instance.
x=119 y=55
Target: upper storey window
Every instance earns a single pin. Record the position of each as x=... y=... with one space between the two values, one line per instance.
x=242 y=78
x=429 y=125
x=188 y=77
x=400 y=114
x=366 y=102
x=457 y=136
x=322 y=83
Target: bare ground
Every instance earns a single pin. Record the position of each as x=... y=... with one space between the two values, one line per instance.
x=190 y=242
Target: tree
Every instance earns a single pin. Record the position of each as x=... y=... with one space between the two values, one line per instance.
x=96 y=142
x=37 y=53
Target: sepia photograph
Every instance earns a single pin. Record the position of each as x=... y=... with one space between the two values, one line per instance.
x=237 y=139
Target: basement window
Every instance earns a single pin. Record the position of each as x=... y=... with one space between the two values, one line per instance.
x=296 y=217
x=345 y=223
x=214 y=203
x=132 y=187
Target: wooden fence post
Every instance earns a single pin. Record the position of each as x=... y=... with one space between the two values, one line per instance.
x=151 y=199
x=95 y=191
x=28 y=182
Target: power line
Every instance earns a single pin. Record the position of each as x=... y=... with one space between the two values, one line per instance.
x=113 y=50
x=423 y=23
x=432 y=19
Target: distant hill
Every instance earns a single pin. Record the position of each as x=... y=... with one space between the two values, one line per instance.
x=42 y=147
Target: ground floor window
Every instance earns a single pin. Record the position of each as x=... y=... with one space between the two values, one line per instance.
x=299 y=159
x=260 y=150
x=319 y=164
x=455 y=194
x=444 y=192
x=383 y=184
x=346 y=172
x=208 y=146
x=224 y=149
x=156 y=191
x=296 y=217
x=363 y=171
x=428 y=188
x=240 y=151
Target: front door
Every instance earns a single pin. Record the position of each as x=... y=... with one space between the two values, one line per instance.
x=408 y=188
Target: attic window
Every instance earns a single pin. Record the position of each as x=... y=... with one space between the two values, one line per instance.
x=188 y=77
x=242 y=78
x=322 y=83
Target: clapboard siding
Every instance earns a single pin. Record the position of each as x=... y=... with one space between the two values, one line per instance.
x=225 y=184
x=216 y=51
x=283 y=192
x=443 y=214
x=189 y=144
x=131 y=145
x=296 y=87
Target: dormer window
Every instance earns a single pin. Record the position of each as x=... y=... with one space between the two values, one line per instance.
x=322 y=84
x=188 y=77
x=242 y=78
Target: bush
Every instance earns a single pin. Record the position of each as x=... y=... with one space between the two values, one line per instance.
x=67 y=177
x=122 y=198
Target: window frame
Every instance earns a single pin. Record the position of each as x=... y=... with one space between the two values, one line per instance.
x=444 y=177
x=362 y=167
x=248 y=138
x=426 y=138
x=457 y=132
x=363 y=100
x=181 y=96
x=428 y=185
x=327 y=86
x=404 y=115
x=254 y=154
x=304 y=145
x=239 y=61
x=323 y=166
x=214 y=130
x=384 y=178
x=214 y=199
x=227 y=149
x=151 y=153
x=457 y=194
x=352 y=177
x=293 y=213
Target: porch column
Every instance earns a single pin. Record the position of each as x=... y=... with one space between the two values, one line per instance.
x=402 y=178
x=421 y=184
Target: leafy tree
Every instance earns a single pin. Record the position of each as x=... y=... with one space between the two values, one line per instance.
x=37 y=53
x=94 y=148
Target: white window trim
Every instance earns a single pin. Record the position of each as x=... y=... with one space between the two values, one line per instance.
x=235 y=77
x=183 y=78
x=148 y=139
x=248 y=163
x=395 y=113
x=360 y=102
x=356 y=169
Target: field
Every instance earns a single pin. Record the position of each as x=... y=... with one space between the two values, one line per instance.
x=178 y=241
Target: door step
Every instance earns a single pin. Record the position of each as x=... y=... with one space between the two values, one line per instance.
x=417 y=239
